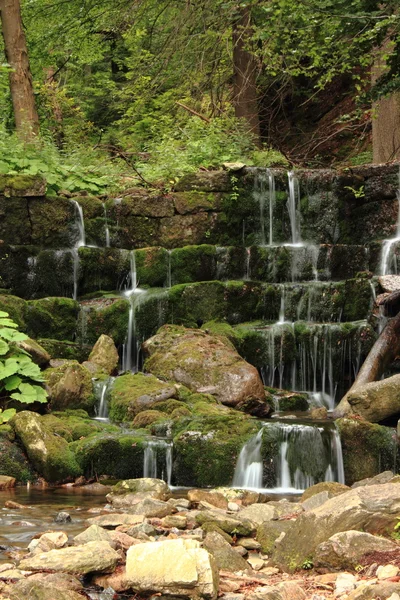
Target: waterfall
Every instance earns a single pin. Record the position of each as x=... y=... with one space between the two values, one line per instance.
x=102 y=391
x=281 y=319
x=388 y=257
x=157 y=460
x=249 y=467
x=81 y=241
x=247 y=274
x=131 y=347
x=293 y=202
x=107 y=231
x=304 y=454
x=263 y=193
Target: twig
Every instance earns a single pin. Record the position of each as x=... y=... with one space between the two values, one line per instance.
x=193 y=112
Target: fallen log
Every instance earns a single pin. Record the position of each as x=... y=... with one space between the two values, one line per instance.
x=382 y=353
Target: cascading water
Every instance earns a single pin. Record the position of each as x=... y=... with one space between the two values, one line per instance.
x=293 y=202
x=304 y=454
x=263 y=192
x=102 y=391
x=106 y=228
x=81 y=241
x=131 y=347
x=388 y=257
x=157 y=460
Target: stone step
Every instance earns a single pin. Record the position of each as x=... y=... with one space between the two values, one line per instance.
x=33 y=273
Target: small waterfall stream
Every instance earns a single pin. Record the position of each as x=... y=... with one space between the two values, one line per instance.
x=106 y=228
x=81 y=241
x=131 y=347
x=157 y=460
x=293 y=203
x=102 y=390
x=304 y=454
x=388 y=258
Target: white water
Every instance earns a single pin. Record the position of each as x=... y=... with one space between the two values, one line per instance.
x=102 y=389
x=388 y=258
x=81 y=241
x=264 y=192
x=154 y=465
x=293 y=207
x=107 y=231
x=131 y=347
x=307 y=454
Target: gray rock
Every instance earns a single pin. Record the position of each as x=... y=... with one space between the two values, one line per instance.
x=93 y=533
x=225 y=556
x=226 y=522
x=62 y=517
x=156 y=487
x=345 y=550
x=384 y=477
x=259 y=513
x=377 y=400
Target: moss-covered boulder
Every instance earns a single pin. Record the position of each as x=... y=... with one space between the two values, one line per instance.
x=377 y=400
x=70 y=386
x=368 y=448
x=49 y=454
x=74 y=425
x=105 y=354
x=22 y=185
x=67 y=350
x=203 y=363
x=13 y=461
x=132 y=394
x=52 y=317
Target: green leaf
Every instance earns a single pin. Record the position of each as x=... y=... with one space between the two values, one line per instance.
x=6 y=415
x=30 y=370
x=3 y=314
x=12 y=382
x=4 y=348
x=8 y=323
x=11 y=335
x=8 y=369
x=29 y=394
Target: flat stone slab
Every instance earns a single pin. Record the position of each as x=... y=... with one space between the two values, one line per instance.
x=115 y=519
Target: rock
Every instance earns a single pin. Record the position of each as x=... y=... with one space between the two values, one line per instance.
x=156 y=488
x=255 y=562
x=198 y=360
x=149 y=507
x=122 y=540
x=259 y=513
x=370 y=508
x=384 y=477
x=225 y=556
x=91 y=557
x=32 y=590
x=48 y=541
x=145 y=528
x=346 y=549
x=49 y=454
x=316 y=500
x=286 y=590
x=319 y=413
x=93 y=533
x=243 y=497
x=212 y=497
x=240 y=550
x=57 y=580
x=226 y=523
x=179 y=503
x=112 y=520
x=345 y=582
x=174 y=568
x=132 y=394
x=70 y=387
x=117 y=580
x=38 y=354
x=371 y=592
x=389 y=283
x=177 y=521
x=249 y=543
x=105 y=354
x=332 y=487
x=62 y=517
x=6 y=482
x=386 y=571
x=376 y=401
x=14 y=505
x=233 y=507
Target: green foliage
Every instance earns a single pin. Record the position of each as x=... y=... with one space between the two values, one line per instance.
x=360 y=193
x=307 y=564
x=6 y=415
x=18 y=373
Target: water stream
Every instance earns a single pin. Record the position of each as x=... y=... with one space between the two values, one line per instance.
x=131 y=347
x=388 y=257
x=157 y=460
x=81 y=241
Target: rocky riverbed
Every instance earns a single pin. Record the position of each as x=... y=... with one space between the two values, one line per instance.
x=333 y=541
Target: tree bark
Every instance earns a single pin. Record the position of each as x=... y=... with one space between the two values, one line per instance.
x=382 y=353
x=21 y=87
x=244 y=74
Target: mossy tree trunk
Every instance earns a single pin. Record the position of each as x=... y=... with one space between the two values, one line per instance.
x=21 y=87
x=245 y=70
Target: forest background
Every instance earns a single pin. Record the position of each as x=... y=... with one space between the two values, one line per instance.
x=100 y=93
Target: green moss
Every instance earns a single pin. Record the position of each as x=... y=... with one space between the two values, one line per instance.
x=119 y=456
x=66 y=350
x=368 y=449
x=147 y=417
x=168 y=406
x=193 y=263
x=293 y=402
x=14 y=462
x=16 y=308
x=73 y=425
x=111 y=318
x=132 y=394
x=152 y=266
x=180 y=412
x=75 y=390
x=52 y=317
x=21 y=185
x=102 y=269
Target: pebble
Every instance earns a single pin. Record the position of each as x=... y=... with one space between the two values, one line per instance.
x=233 y=507
x=255 y=562
x=345 y=582
x=386 y=571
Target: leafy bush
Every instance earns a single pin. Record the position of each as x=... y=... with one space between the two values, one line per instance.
x=19 y=375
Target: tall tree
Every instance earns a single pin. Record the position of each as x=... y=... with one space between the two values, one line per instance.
x=21 y=87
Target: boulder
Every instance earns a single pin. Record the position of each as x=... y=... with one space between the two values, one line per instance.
x=384 y=477
x=112 y=521
x=227 y=523
x=177 y=521
x=269 y=532
x=151 y=508
x=372 y=509
x=383 y=590
x=225 y=556
x=172 y=567
x=93 y=533
x=259 y=513
x=346 y=550
x=212 y=497
x=389 y=283
x=48 y=541
x=70 y=387
x=49 y=454
x=332 y=487
x=155 y=488
x=93 y=557
x=201 y=361
x=41 y=590
x=376 y=401
x=6 y=482
x=105 y=354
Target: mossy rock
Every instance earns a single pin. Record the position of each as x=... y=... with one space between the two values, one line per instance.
x=14 y=462
x=120 y=456
x=16 y=308
x=152 y=266
x=22 y=185
x=180 y=413
x=109 y=317
x=368 y=449
x=206 y=448
x=49 y=453
x=52 y=317
x=147 y=417
x=132 y=394
x=102 y=269
x=193 y=263
x=70 y=386
x=291 y=401
x=73 y=425
x=168 y=406
x=66 y=350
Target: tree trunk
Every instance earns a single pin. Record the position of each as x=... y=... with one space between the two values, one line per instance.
x=382 y=353
x=244 y=72
x=386 y=115
x=23 y=99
